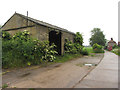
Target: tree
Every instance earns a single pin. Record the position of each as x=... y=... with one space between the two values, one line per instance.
x=78 y=38
x=98 y=37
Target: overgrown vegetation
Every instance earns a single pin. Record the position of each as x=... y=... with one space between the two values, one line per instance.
x=116 y=50
x=88 y=49
x=21 y=50
x=76 y=47
x=97 y=48
x=66 y=57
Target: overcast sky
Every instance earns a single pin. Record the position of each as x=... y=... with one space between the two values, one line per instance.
x=74 y=15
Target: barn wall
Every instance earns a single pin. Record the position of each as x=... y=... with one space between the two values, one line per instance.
x=37 y=31
x=16 y=22
x=32 y=31
x=64 y=36
x=42 y=32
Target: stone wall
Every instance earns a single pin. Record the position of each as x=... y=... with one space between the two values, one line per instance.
x=32 y=31
x=64 y=36
x=42 y=32
x=16 y=22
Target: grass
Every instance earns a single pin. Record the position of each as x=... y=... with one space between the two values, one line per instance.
x=61 y=59
x=89 y=49
x=66 y=57
x=116 y=51
x=4 y=86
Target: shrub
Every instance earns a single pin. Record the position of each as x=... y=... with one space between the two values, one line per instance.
x=78 y=47
x=105 y=47
x=22 y=50
x=75 y=47
x=6 y=35
x=69 y=47
x=115 y=46
x=78 y=38
x=97 y=48
x=84 y=52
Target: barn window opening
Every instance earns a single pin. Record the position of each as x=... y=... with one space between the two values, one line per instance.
x=55 y=37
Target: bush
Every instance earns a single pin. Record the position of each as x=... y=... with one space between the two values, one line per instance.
x=78 y=38
x=105 y=47
x=75 y=47
x=84 y=52
x=78 y=47
x=69 y=47
x=22 y=50
x=6 y=35
x=115 y=46
x=97 y=48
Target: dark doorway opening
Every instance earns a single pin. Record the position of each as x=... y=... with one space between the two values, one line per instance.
x=55 y=37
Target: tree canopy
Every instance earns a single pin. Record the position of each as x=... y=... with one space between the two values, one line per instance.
x=98 y=37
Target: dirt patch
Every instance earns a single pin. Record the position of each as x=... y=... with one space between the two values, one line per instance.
x=24 y=75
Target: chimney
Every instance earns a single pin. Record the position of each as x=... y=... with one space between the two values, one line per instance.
x=112 y=39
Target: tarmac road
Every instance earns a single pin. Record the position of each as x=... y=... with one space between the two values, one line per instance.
x=105 y=75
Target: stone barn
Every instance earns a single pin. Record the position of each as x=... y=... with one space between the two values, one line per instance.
x=39 y=30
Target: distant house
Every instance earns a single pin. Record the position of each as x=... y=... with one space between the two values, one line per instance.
x=39 y=30
x=119 y=44
x=111 y=43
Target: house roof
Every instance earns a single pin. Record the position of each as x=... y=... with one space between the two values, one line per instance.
x=44 y=23
x=111 y=41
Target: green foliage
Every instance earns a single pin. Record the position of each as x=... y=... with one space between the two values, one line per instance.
x=5 y=35
x=89 y=49
x=97 y=37
x=78 y=38
x=22 y=50
x=76 y=46
x=116 y=51
x=69 y=47
x=98 y=48
x=4 y=86
x=66 y=57
x=115 y=46
x=48 y=51
x=85 y=52
x=22 y=35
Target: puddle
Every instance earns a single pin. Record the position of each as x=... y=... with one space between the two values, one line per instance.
x=86 y=64
x=58 y=65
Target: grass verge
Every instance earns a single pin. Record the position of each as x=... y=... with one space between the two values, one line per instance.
x=116 y=51
x=89 y=49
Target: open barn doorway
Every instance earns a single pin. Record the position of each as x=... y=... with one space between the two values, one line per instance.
x=55 y=37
